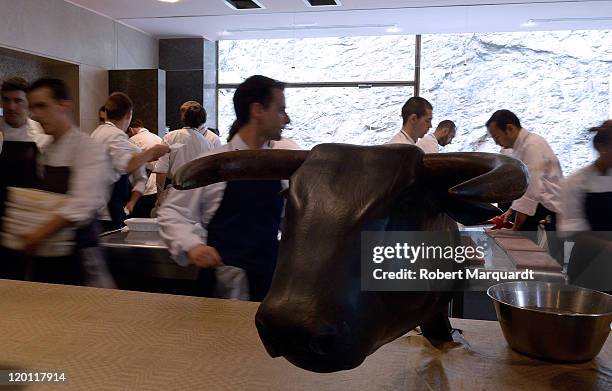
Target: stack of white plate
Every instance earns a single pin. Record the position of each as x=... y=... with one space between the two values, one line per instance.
x=28 y=209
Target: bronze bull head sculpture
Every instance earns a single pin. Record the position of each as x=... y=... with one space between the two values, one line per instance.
x=315 y=314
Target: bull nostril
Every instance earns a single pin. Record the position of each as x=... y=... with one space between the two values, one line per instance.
x=323 y=343
x=270 y=343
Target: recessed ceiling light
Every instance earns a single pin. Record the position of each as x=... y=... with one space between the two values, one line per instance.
x=322 y=3
x=394 y=29
x=169 y=1
x=241 y=5
x=225 y=33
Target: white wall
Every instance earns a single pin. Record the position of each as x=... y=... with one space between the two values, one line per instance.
x=63 y=31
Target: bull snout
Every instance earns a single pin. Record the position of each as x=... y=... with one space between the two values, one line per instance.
x=321 y=346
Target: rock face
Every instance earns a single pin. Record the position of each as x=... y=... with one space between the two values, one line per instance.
x=558 y=83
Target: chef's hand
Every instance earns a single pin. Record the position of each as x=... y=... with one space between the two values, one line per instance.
x=204 y=256
x=129 y=207
x=519 y=220
x=157 y=151
x=30 y=242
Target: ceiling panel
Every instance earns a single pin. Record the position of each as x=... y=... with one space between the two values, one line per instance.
x=293 y=18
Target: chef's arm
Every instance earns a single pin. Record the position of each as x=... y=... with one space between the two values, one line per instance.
x=148 y=155
x=52 y=226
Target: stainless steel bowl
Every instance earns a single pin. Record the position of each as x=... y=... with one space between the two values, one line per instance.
x=552 y=321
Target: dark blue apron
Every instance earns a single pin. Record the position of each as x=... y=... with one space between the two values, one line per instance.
x=17 y=169
x=590 y=263
x=244 y=231
x=120 y=196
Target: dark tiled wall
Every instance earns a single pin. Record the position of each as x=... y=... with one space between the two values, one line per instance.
x=191 y=66
x=147 y=89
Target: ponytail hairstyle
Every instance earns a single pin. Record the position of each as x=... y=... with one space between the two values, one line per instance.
x=603 y=134
x=255 y=89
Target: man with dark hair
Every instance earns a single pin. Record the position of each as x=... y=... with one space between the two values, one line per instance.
x=75 y=165
x=15 y=124
x=144 y=139
x=442 y=136
x=125 y=157
x=238 y=221
x=101 y=115
x=188 y=143
x=417 y=113
x=542 y=199
x=21 y=141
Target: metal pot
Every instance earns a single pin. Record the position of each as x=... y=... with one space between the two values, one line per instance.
x=552 y=321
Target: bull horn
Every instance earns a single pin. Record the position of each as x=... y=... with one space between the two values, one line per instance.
x=477 y=176
x=270 y=164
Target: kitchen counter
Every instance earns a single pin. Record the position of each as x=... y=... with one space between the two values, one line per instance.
x=141 y=261
x=112 y=339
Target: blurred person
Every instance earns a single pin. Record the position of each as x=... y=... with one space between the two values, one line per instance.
x=441 y=137
x=417 y=113
x=125 y=157
x=586 y=216
x=22 y=140
x=187 y=144
x=233 y=223
x=541 y=201
x=75 y=165
x=144 y=139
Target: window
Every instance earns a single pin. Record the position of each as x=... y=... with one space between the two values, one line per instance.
x=339 y=89
x=558 y=84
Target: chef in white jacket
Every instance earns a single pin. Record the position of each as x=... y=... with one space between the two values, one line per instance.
x=441 y=137
x=75 y=165
x=233 y=223
x=144 y=139
x=417 y=113
x=124 y=156
x=542 y=199
x=187 y=143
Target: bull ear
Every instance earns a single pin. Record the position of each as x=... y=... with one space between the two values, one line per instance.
x=476 y=176
x=265 y=164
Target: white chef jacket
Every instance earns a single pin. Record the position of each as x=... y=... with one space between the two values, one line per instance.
x=401 y=138
x=210 y=136
x=144 y=139
x=545 y=175
x=185 y=214
x=195 y=144
x=120 y=150
x=589 y=179
x=90 y=174
x=284 y=143
x=429 y=143
x=30 y=131
x=118 y=147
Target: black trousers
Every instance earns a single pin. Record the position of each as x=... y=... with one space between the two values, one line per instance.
x=144 y=206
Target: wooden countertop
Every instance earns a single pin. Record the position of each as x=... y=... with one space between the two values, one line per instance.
x=111 y=339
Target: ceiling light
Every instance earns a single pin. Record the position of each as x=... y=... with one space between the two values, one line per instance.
x=394 y=29
x=169 y=1
x=241 y=5
x=322 y=3
x=225 y=33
